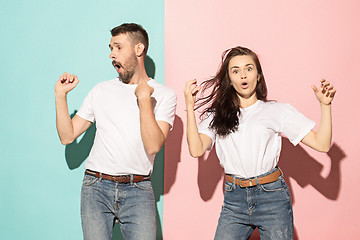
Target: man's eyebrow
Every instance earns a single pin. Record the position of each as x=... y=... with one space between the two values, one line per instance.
x=115 y=43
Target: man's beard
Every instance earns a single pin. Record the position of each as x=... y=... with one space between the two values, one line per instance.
x=126 y=76
x=130 y=69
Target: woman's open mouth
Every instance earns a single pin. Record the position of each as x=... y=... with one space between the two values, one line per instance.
x=244 y=85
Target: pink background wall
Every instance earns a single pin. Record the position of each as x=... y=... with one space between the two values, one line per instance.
x=298 y=42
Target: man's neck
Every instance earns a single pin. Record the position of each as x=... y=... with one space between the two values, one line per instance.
x=139 y=76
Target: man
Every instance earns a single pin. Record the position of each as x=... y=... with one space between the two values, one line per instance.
x=133 y=115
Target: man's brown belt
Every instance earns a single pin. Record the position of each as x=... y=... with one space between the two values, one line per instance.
x=119 y=179
x=272 y=177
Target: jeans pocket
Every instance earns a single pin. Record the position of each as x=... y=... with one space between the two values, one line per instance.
x=144 y=185
x=278 y=185
x=89 y=180
x=229 y=187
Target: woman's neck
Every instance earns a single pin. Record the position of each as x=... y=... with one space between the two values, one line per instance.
x=247 y=102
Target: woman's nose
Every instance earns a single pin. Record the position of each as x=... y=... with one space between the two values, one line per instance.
x=243 y=75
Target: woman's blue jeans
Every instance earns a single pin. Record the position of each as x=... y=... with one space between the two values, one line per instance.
x=266 y=206
x=104 y=201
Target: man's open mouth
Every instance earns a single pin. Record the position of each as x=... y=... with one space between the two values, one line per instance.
x=116 y=65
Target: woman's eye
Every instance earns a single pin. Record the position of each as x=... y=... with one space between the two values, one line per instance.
x=249 y=69
x=236 y=71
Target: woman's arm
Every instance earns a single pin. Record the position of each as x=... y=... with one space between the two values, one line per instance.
x=197 y=143
x=321 y=139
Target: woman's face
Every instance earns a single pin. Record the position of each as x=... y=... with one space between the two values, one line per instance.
x=243 y=76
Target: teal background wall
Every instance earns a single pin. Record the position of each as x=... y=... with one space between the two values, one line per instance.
x=40 y=187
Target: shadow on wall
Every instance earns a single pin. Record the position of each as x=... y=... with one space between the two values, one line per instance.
x=210 y=173
x=295 y=162
x=304 y=169
x=172 y=154
x=77 y=152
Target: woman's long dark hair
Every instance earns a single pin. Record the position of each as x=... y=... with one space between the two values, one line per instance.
x=223 y=99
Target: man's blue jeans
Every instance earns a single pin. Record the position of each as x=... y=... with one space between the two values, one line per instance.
x=266 y=206
x=104 y=201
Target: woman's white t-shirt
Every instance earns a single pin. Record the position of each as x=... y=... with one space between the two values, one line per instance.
x=254 y=148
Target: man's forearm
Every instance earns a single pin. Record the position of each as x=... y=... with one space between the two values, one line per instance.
x=63 y=120
x=151 y=134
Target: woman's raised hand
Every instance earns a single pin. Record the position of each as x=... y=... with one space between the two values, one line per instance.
x=190 y=91
x=325 y=94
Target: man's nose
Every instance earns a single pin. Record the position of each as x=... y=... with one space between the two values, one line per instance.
x=112 y=55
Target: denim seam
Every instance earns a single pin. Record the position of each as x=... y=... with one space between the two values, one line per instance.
x=273 y=190
x=142 y=188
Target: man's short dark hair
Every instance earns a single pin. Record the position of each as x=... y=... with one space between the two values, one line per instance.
x=135 y=31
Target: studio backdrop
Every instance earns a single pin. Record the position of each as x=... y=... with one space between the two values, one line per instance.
x=298 y=43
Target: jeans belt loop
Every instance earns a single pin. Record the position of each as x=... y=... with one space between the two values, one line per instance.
x=131 y=179
x=257 y=181
x=282 y=174
x=100 y=177
x=234 y=182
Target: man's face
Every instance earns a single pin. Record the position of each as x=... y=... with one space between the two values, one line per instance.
x=123 y=56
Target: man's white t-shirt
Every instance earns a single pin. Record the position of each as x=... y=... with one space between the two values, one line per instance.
x=254 y=148
x=118 y=148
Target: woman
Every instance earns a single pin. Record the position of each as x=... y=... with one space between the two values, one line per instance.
x=246 y=130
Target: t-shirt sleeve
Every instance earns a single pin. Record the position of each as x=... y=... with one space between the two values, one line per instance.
x=86 y=110
x=294 y=125
x=166 y=110
x=204 y=128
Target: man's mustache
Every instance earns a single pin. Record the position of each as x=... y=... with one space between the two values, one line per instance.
x=116 y=64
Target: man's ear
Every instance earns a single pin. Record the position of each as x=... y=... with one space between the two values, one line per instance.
x=139 y=49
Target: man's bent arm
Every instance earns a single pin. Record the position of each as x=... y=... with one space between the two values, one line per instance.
x=68 y=129
x=153 y=133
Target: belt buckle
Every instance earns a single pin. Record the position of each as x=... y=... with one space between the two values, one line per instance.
x=247 y=180
x=251 y=184
x=240 y=183
x=114 y=179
